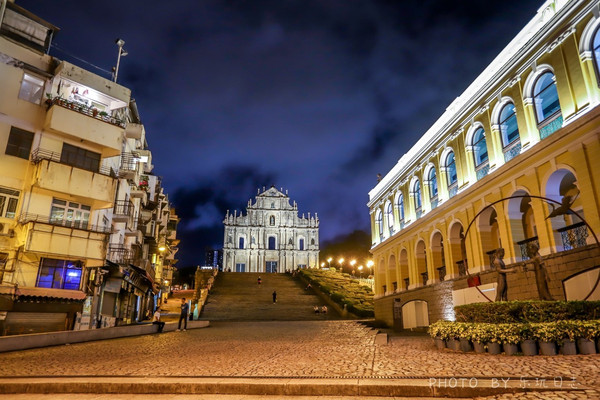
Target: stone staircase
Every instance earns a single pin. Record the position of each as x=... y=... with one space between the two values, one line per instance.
x=238 y=297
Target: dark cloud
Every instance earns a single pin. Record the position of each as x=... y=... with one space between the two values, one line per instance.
x=317 y=96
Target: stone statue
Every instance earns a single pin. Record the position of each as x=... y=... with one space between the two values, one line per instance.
x=541 y=275
x=501 y=288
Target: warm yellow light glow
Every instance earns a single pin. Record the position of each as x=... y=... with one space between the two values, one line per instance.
x=353 y=262
x=370 y=263
x=341 y=260
x=162 y=248
x=360 y=267
x=323 y=264
x=329 y=259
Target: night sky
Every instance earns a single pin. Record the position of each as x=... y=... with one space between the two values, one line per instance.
x=314 y=96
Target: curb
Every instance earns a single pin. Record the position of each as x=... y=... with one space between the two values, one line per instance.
x=413 y=387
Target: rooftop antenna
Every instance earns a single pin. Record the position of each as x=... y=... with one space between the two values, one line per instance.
x=122 y=52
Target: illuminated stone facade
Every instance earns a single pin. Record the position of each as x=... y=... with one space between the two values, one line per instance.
x=271 y=237
x=527 y=127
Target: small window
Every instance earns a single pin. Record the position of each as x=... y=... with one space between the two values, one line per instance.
x=301 y=244
x=80 y=158
x=272 y=220
x=19 y=143
x=433 y=188
x=451 y=168
x=240 y=267
x=241 y=242
x=479 y=147
x=389 y=214
x=401 y=207
x=272 y=244
x=9 y=199
x=545 y=97
x=32 y=89
x=272 y=205
x=417 y=193
x=379 y=222
x=312 y=241
x=508 y=125
x=74 y=215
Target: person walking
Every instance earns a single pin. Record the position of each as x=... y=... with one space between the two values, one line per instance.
x=259 y=281
x=274 y=296
x=156 y=320
x=184 y=315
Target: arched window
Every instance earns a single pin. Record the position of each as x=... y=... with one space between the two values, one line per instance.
x=547 y=106
x=451 y=174
x=509 y=131
x=301 y=244
x=479 y=147
x=379 y=222
x=312 y=241
x=433 y=189
x=401 y=207
x=241 y=242
x=272 y=220
x=389 y=215
x=417 y=197
x=272 y=245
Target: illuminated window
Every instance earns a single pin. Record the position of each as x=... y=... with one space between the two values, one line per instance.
x=480 y=153
x=59 y=274
x=401 y=207
x=379 y=222
x=596 y=51
x=545 y=97
x=417 y=195
x=451 y=168
x=9 y=199
x=433 y=188
x=389 y=215
x=68 y=213
x=508 y=125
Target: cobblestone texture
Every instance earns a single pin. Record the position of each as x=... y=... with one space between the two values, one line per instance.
x=301 y=348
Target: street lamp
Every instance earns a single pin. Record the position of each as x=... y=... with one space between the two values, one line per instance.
x=341 y=261
x=360 y=268
x=122 y=53
x=370 y=265
x=323 y=264
x=329 y=261
x=352 y=263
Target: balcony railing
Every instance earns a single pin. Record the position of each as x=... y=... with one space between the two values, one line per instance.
x=491 y=255
x=85 y=110
x=512 y=151
x=482 y=171
x=551 y=125
x=441 y=273
x=123 y=208
x=453 y=189
x=424 y=277
x=129 y=162
x=119 y=254
x=434 y=202
x=28 y=217
x=574 y=236
x=406 y=283
x=462 y=267
x=39 y=154
x=419 y=212
x=523 y=246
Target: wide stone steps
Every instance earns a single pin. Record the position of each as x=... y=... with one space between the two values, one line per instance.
x=238 y=297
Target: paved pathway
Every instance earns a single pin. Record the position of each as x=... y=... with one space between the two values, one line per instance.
x=300 y=349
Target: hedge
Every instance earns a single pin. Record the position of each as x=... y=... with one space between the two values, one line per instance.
x=527 y=311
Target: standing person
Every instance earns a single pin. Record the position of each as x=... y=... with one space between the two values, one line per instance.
x=184 y=314
x=259 y=280
x=156 y=320
x=274 y=297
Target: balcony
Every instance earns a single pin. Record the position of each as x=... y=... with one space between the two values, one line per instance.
x=129 y=165
x=574 y=236
x=63 y=237
x=134 y=131
x=523 y=244
x=82 y=122
x=123 y=211
x=53 y=175
x=119 y=254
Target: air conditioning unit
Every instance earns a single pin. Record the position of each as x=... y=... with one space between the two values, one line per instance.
x=5 y=230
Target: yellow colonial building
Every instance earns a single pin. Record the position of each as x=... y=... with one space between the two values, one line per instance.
x=501 y=168
x=87 y=234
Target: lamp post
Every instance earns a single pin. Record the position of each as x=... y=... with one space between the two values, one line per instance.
x=122 y=52
x=341 y=262
x=323 y=264
x=370 y=265
x=360 y=268
x=352 y=263
x=329 y=262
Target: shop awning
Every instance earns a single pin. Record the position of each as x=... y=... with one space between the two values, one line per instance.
x=43 y=292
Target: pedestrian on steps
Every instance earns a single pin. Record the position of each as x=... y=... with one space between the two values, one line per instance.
x=274 y=296
x=185 y=307
x=156 y=320
x=259 y=281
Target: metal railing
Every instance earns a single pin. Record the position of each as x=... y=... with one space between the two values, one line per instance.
x=85 y=110
x=551 y=125
x=406 y=283
x=453 y=189
x=441 y=273
x=44 y=219
x=574 y=236
x=425 y=277
x=523 y=246
x=123 y=207
x=39 y=155
x=482 y=171
x=512 y=150
x=462 y=267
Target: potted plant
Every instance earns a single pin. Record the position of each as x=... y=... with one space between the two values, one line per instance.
x=439 y=334
x=587 y=332
x=495 y=339
x=567 y=343
x=480 y=335
x=528 y=343
x=510 y=338
x=94 y=112
x=547 y=334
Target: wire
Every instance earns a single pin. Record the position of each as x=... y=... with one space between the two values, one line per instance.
x=55 y=46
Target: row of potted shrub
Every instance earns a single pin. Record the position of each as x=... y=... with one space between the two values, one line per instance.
x=571 y=336
x=527 y=311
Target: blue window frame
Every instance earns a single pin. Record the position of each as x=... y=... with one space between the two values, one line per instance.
x=59 y=274
x=241 y=242
x=480 y=153
x=508 y=125
x=433 y=188
x=596 y=51
x=417 y=192
x=240 y=267
x=451 y=168
x=272 y=243
x=379 y=222
x=401 y=207
x=389 y=211
x=545 y=97
x=301 y=244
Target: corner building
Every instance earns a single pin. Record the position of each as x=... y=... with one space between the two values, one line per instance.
x=271 y=237
x=527 y=127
